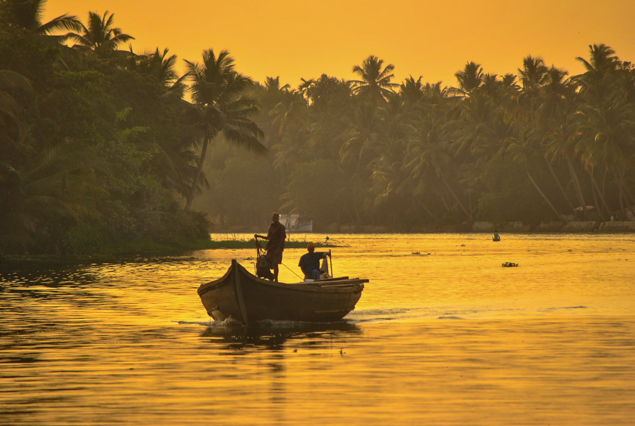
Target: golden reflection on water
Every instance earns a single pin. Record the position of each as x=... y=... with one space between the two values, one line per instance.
x=449 y=337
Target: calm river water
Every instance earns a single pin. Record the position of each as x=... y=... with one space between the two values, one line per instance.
x=443 y=335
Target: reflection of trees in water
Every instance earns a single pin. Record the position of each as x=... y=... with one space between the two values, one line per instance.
x=66 y=284
x=273 y=335
x=47 y=276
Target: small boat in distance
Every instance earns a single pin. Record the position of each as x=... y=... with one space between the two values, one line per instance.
x=244 y=297
x=296 y=222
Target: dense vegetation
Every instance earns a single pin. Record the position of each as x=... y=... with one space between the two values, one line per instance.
x=103 y=148
x=368 y=153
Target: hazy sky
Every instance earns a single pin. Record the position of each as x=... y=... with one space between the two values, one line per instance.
x=433 y=38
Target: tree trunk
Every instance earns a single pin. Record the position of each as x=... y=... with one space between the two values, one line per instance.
x=597 y=187
x=357 y=215
x=619 y=188
x=197 y=174
x=349 y=214
x=627 y=191
x=544 y=197
x=564 y=194
x=455 y=197
x=606 y=170
x=578 y=189
x=595 y=198
x=428 y=211
x=445 y=203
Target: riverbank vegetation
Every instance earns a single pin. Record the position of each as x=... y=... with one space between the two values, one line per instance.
x=538 y=146
x=102 y=146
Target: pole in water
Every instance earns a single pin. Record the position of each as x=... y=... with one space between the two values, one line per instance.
x=331 y=261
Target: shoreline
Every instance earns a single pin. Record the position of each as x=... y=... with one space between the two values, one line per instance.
x=482 y=227
x=143 y=254
x=138 y=255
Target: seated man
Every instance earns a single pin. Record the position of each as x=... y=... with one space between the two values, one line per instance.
x=310 y=262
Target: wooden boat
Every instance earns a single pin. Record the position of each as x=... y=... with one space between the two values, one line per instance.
x=244 y=297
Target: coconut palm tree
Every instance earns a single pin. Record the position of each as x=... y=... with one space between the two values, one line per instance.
x=603 y=61
x=470 y=78
x=290 y=111
x=522 y=148
x=561 y=144
x=428 y=159
x=374 y=84
x=9 y=122
x=100 y=35
x=159 y=65
x=411 y=90
x=362 y=139
x=39 y=186
x=605 y=117
x=26 y=15
x=606 y=138
x=220 y=108
x=532 y=72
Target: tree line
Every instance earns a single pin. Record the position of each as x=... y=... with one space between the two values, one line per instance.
x=536 y=146
x=101 y=146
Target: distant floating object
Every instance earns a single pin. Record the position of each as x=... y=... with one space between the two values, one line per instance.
x=510 y=265
x=296 y=223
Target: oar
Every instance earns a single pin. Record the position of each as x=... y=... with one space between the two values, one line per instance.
x=331 y=262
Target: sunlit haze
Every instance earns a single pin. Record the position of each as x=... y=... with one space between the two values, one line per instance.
x=432 y=39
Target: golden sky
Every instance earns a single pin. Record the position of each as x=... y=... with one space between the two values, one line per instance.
x=429 y=38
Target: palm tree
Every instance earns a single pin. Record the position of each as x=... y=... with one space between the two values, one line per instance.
x=100 y=35
x=362 y=137
x=428 y=158
x=220 y=108
x=531 y=77
x=606 y=138
x=159 y=65
x=561 y=144
x=290 y=111
x=26 y=15
x=556 y=96
x=470 y=78
x=521 y=148
x=532 y=72
x=375 y=83
x=9 y=123
x=603 y=61
x=38 y=186
x=411 y=90
x=605 y=118
x=273 y=85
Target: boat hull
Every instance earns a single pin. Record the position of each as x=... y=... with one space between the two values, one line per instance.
x=244 y=297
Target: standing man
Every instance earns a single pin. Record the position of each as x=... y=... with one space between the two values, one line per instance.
x=275 y=245
x=310 y=262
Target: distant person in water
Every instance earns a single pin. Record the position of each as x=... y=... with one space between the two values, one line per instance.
x=496 y=236
x=275 y=244
x=310 y=262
